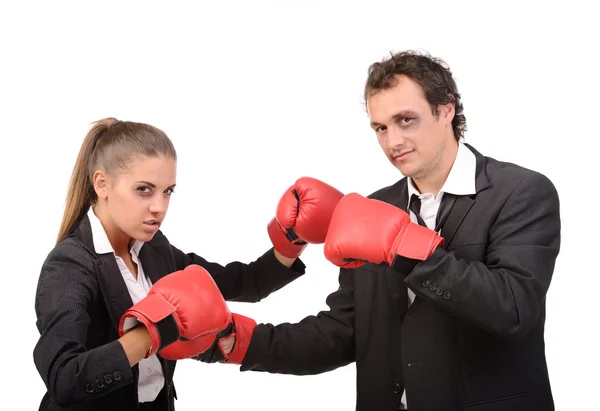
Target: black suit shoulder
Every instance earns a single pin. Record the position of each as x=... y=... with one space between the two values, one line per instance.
x=68 y=261
x=385 y=193
x=508 y=174
x=73 y=249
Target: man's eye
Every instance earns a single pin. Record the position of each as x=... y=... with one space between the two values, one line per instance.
x=380 y=129
x=406 y=120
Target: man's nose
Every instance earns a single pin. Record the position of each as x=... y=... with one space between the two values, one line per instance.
x=395 y=137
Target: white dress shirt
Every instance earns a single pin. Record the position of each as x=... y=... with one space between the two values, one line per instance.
x=460 y=181
x=151 y=379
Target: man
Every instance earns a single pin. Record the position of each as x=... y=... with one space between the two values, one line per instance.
x=444 y=274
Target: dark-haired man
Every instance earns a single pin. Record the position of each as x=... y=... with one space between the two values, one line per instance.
x=444 y=274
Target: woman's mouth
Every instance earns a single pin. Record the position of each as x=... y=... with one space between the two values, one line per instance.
x=152 y=225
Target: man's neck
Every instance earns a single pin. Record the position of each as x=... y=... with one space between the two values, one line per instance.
x=436 y=179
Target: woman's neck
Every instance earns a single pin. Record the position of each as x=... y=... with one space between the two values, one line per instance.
x=119 y=241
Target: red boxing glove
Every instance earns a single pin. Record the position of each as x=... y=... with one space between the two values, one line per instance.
x=242 y=329
x=208 y=348
x=182 y=306
x=365 y=230
x=303 y=215
x=180 y=350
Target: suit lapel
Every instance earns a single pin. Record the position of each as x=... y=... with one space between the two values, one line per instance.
x=458 y=211
x=117 y=296
x=462 y=204
x=112 y=284
x=154 y=263
x=115 y=293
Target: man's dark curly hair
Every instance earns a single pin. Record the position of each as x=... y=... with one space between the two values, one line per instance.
x=432 y=74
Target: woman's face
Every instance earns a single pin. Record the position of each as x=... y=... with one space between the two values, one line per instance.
x=137 y=199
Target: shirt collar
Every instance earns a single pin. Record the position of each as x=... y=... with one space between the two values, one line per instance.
x=461 y=179
x=101 y=243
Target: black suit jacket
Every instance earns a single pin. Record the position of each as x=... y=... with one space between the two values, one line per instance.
x=473 y=339
x=80 y=299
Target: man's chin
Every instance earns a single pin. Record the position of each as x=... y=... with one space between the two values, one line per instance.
x=405 y=169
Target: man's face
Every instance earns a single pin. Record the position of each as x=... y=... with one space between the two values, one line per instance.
x=411 y=136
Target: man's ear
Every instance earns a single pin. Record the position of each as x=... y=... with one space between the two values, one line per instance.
x=101 y=183
x=447 y=111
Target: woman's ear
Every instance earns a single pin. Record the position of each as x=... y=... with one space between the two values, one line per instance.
x=101 y=184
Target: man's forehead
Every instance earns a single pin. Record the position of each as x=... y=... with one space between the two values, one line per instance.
x=385 y=111
x=395 y=102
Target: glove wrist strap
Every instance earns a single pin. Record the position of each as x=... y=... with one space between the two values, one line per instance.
x=282 y=242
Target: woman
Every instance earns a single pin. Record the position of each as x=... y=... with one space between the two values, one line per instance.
x=109 y=253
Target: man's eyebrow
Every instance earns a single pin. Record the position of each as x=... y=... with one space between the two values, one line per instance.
x=400 y=114
x=404 y=113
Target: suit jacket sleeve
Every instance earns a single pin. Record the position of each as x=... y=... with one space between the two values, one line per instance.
x=245 y=282
x=71 y=371
x=314 y=345
x=506 y=293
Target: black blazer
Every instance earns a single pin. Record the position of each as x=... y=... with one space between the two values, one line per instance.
x=80 y=299
x=473 y=339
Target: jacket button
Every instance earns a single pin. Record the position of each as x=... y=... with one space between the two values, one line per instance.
x=439 y=292
x=425 y=283
x=117 y=376
x=432 y=287
x=447 y=295
x=89 y=388
x=397 y=388
x=108 y=379
x=99 y=384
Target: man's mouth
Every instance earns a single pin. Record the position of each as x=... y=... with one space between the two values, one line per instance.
x=400 y=156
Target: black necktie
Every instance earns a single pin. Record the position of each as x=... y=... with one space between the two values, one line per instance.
x=401 y=263
x=442 y=214
x=415 y=207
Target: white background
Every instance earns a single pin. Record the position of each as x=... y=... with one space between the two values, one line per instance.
x=256 y=95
